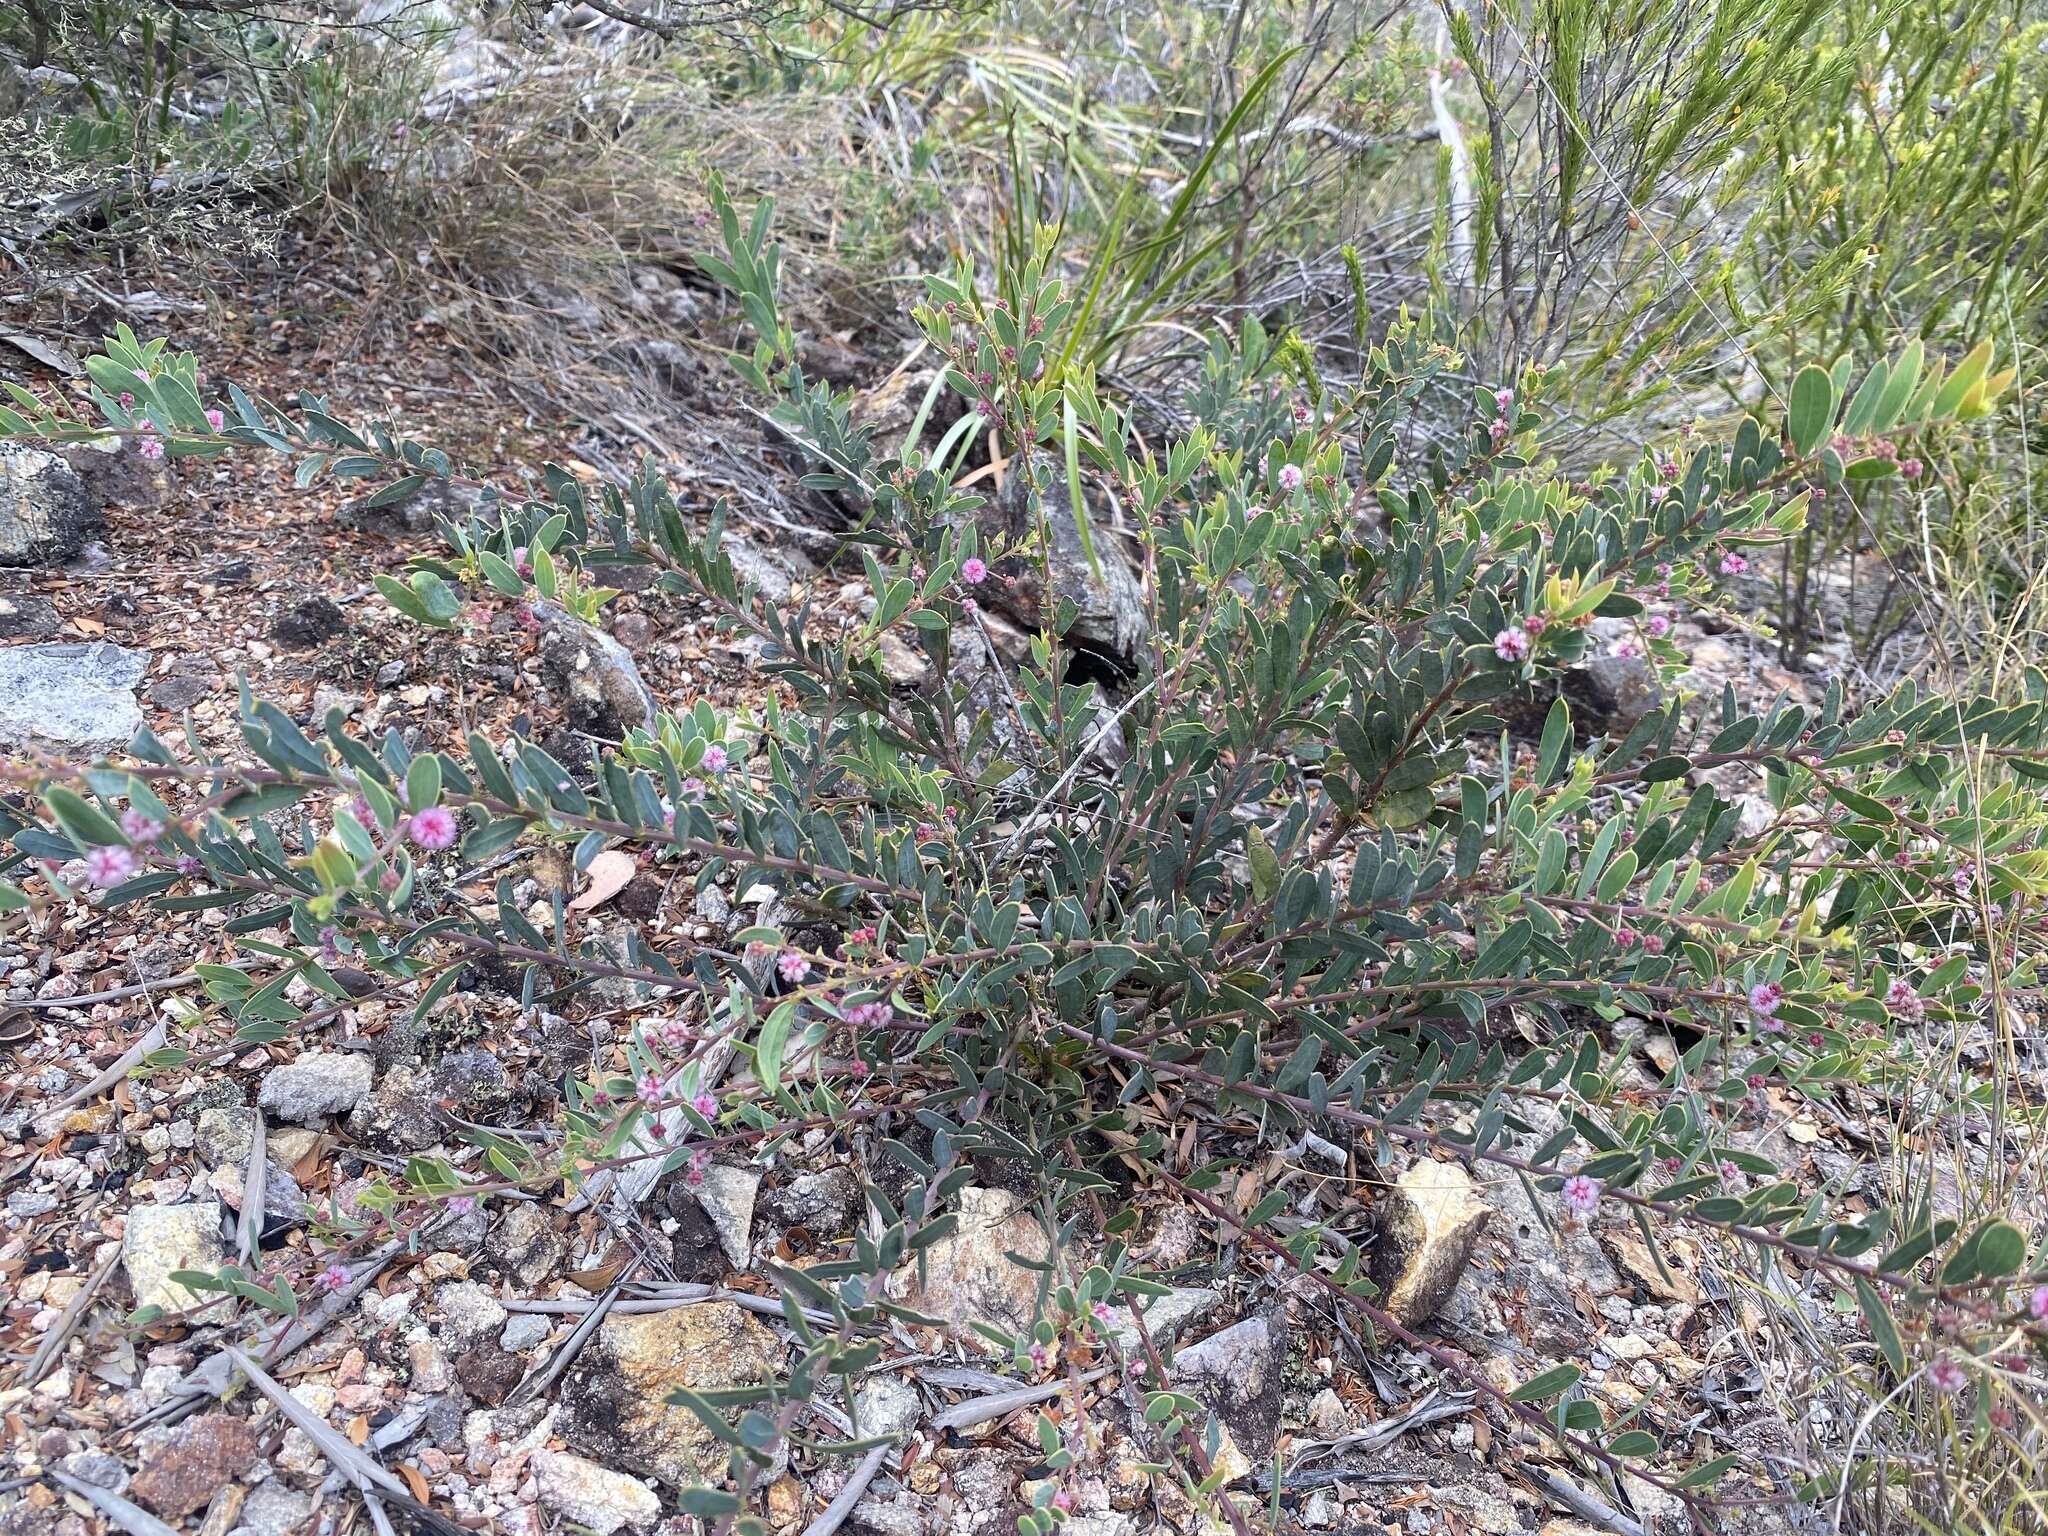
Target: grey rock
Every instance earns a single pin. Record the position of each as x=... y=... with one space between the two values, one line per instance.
x=284 y=1202
x=601 y=690
x=97 y=1468
x=181 y=690
x=46 y=512
x=902 y=663
x=70 y=699
x=888 y=1405
x=587 y=1494
x=1327 y=1415
x=820 y=1199
x=1112 y=618
x=1550 y=1272
x=318 y=1084
x=160 y=1240
x=889 y=408
x=225 y=1136
x=1609 y=694
x=273 y=1509
x=415 y=513
x=524 y=1244
x=27 y=616
x=469 y=1315
x=27 y=1204
x=114 y=474
x=902 y=1515
x=635 y=631
x=158 y=961
x=310 y=622
x=1238 y=1372
x=474 y=1079
x=1166 y=1317
x=713 y=908
x=1107 y=1524
x=772 y=572
x=219 y=1093
x=401 y=1116
x=443 y=1426
x=524 y=1331
x=462 y=1231
x=968 y=1276
x=727 y=1197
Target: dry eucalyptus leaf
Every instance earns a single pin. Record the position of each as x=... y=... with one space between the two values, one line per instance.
x=609 y=872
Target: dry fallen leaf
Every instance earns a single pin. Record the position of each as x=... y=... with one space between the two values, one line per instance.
x=609 y=872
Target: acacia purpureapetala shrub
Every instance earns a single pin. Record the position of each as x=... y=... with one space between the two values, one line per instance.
x=1311 y=874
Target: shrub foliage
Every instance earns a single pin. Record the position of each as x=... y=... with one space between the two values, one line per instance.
x=1293 y=866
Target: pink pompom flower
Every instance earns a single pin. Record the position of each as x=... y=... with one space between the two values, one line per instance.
x=704 y=1104
x=714 y=759
x=1512 y=644
x=334 y=1278
x=1903 y=1001
x=1734 y=563
x=215 y=420
x=1947 y=1375
x=110 y=864
x=2037 y=1304
x=792 y=967
x=1582 y=1193
x=433 y=828
x=1290 y=478
x=140 y=826
x=973 y=571
x=150 y=448
x=1764 y=998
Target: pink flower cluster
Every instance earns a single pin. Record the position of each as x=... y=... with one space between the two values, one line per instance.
x=110 y=864
x=792 y=967
x=675 y=1033
x=1512 y=644
x=1582 y=1193
x=1764 y=998
x=870 y=1015
x=1947 y=1375
x=1904 y=1001
x=140 y=827
x=434 y=828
